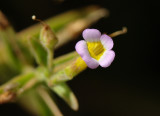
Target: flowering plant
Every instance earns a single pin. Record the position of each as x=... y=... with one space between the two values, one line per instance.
x=20 y=51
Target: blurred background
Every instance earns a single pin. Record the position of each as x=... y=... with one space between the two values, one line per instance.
x=130 y=86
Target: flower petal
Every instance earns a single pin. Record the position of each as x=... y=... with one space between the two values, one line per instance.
x=107 y=42
x=82 y=50
x=91 y=62
x=91 y=35
x=107 y=58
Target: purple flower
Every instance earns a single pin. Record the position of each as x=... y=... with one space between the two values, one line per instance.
x=95 y=49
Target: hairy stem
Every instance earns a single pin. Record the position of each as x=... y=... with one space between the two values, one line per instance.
x=11 y=88
x=49 y=59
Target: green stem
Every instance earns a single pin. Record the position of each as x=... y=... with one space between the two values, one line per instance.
x=49 y=59
x=17 y=82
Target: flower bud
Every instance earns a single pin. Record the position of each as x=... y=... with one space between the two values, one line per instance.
x=47 y=37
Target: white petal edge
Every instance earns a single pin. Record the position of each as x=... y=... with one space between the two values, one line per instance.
x=107 y=58
x=107 y=42
x=91 y=35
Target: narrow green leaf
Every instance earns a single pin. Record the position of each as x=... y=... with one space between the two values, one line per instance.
x=64 y=92
x=7 y=34
x=44 y=94
x=32 y=101
x=12 y=59
x=61 y=62
x=38 y=51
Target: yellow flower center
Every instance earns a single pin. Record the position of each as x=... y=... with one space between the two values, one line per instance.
x=95 y=49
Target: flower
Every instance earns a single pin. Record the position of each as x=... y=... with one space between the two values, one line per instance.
x=95 y=49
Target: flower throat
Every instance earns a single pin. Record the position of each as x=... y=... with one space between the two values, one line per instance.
x=95 y=49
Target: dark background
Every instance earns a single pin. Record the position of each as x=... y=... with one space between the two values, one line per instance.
x=130 y=86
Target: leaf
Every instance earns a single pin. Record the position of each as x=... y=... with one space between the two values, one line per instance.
x=64 y=92
x=38 y=51
x=32 y=101
x=49 y=101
